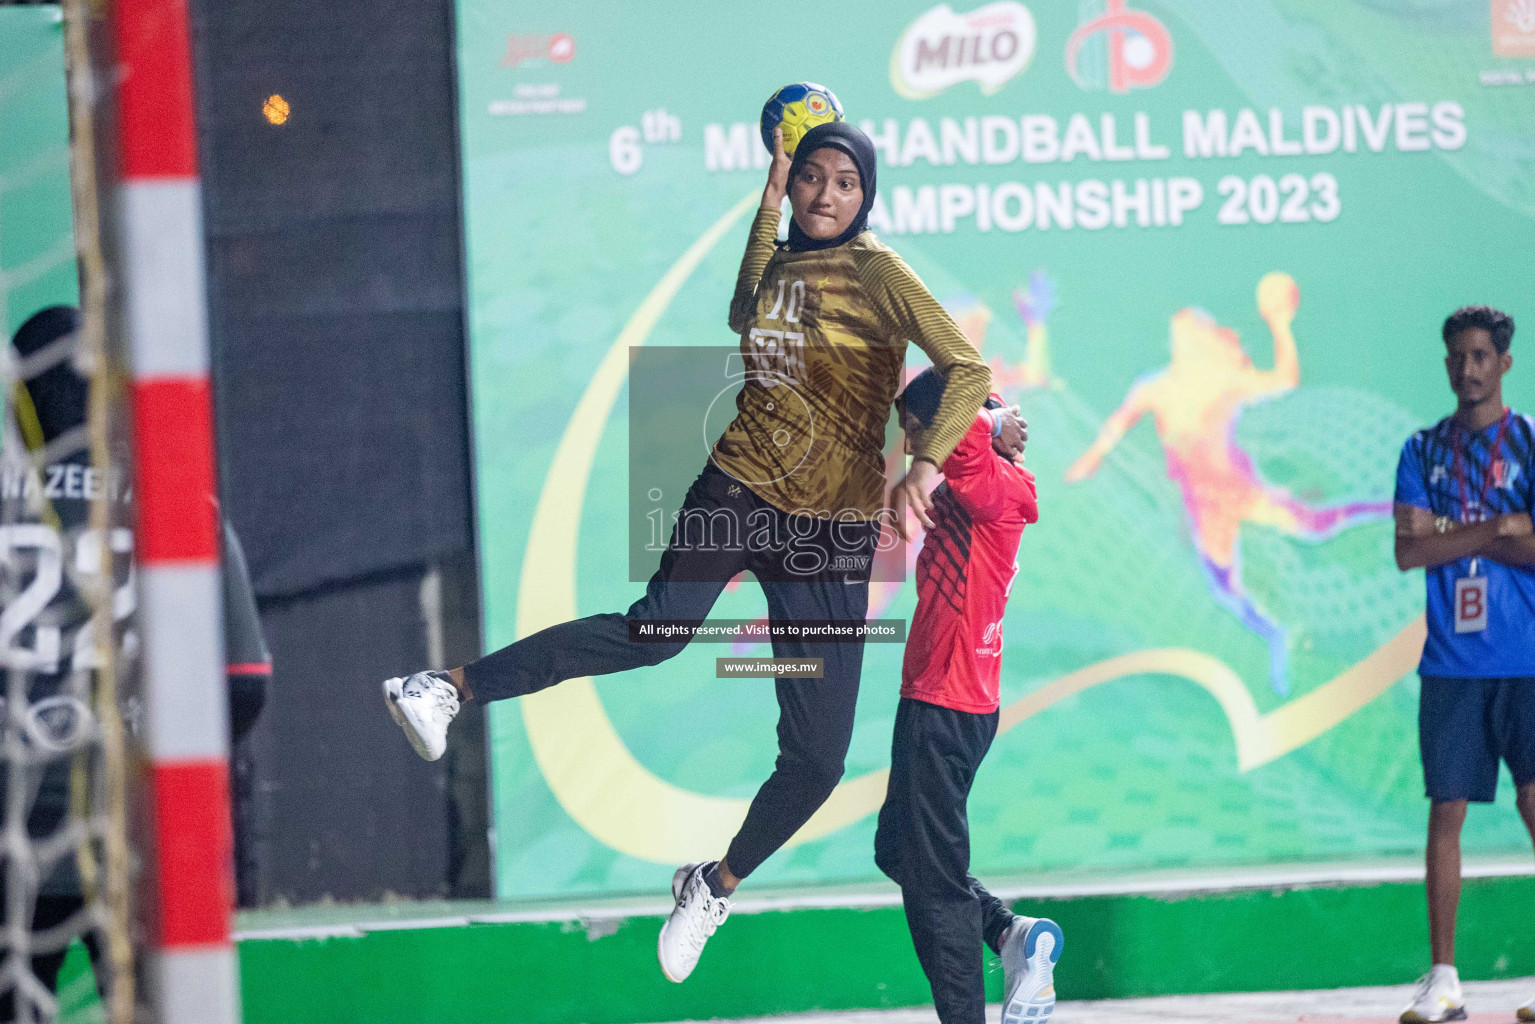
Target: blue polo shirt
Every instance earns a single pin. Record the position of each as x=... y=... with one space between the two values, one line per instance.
x=1426 y=477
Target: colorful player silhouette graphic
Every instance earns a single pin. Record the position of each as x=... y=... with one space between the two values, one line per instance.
x=1033 y=304
x=1196 y=400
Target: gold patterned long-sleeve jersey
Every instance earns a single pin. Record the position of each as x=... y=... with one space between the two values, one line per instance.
x=823 y=339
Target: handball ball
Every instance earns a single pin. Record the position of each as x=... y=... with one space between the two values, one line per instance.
x=797 y=109
x=1278 y=296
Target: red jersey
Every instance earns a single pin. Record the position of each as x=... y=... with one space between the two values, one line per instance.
x=964 y=574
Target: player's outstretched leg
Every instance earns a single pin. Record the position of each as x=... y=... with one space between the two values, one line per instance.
x=693 y=571
x=815 y=726
x=693 y=920
x=423 y=705
x=1030 y=950
x=1226 y=586
x=814 y=729
x=1287 y=513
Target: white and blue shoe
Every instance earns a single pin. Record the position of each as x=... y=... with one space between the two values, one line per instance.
x=1030 y=949
x=423 y=705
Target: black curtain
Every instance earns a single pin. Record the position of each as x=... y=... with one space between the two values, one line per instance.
x=336 y=312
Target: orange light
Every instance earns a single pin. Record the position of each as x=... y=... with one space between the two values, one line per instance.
x=276 y=109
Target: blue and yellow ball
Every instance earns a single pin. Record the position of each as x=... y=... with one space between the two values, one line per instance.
x=798 y=108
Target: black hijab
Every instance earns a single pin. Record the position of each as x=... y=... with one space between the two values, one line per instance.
x=847 y=138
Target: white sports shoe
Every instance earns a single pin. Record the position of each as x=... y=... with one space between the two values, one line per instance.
x=1437 y=998
x=423 y=705
x=1029 y=952
x=692 y=921
x=1527 y=1011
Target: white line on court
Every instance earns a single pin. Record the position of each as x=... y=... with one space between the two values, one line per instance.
x=1489 y=1001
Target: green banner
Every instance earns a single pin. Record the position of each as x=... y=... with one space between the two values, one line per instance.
x=37 y=249
x=37 y=258
x=1206 y=246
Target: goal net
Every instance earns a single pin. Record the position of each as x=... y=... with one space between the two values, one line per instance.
x=66 y=547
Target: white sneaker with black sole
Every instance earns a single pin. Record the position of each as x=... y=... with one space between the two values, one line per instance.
x=1437 y=998
x=697 y=913
x=423 y=705
x=1030 y=949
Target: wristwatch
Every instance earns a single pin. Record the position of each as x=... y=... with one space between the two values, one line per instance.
x=1441 y=524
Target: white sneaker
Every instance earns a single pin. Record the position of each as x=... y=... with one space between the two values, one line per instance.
x=423 y=705
x=1030 y=950
x=1438 y=998
x=692 y=921
x=1527 y=1011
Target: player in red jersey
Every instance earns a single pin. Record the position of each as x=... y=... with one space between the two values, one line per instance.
x=946 y=721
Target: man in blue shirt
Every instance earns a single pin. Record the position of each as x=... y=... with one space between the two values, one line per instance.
x=1464 y=491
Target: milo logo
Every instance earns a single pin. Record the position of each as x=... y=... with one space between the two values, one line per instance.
x=989 y=46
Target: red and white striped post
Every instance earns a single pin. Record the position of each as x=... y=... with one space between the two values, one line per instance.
x=191 y=970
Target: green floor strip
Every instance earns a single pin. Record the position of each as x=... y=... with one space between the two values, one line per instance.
x=794 y=961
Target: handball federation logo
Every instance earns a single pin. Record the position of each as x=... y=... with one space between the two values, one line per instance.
x=1121 y=49
x=989 y=46
x=1513 y=28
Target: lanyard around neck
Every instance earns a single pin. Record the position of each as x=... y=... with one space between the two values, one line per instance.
x=1494 y=464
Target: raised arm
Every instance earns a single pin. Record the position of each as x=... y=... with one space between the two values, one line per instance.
x=914 y=315
x=1135 y=405
x=759 y=249
x=1278 y=299
x=984 y=485
x=764 y=233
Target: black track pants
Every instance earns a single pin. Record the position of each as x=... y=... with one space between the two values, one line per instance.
x=923 y=844
x=709 y=547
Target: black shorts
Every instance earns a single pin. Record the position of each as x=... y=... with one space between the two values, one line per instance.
x=1466 y=726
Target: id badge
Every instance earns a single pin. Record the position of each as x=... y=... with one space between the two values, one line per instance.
x=1471 y=604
